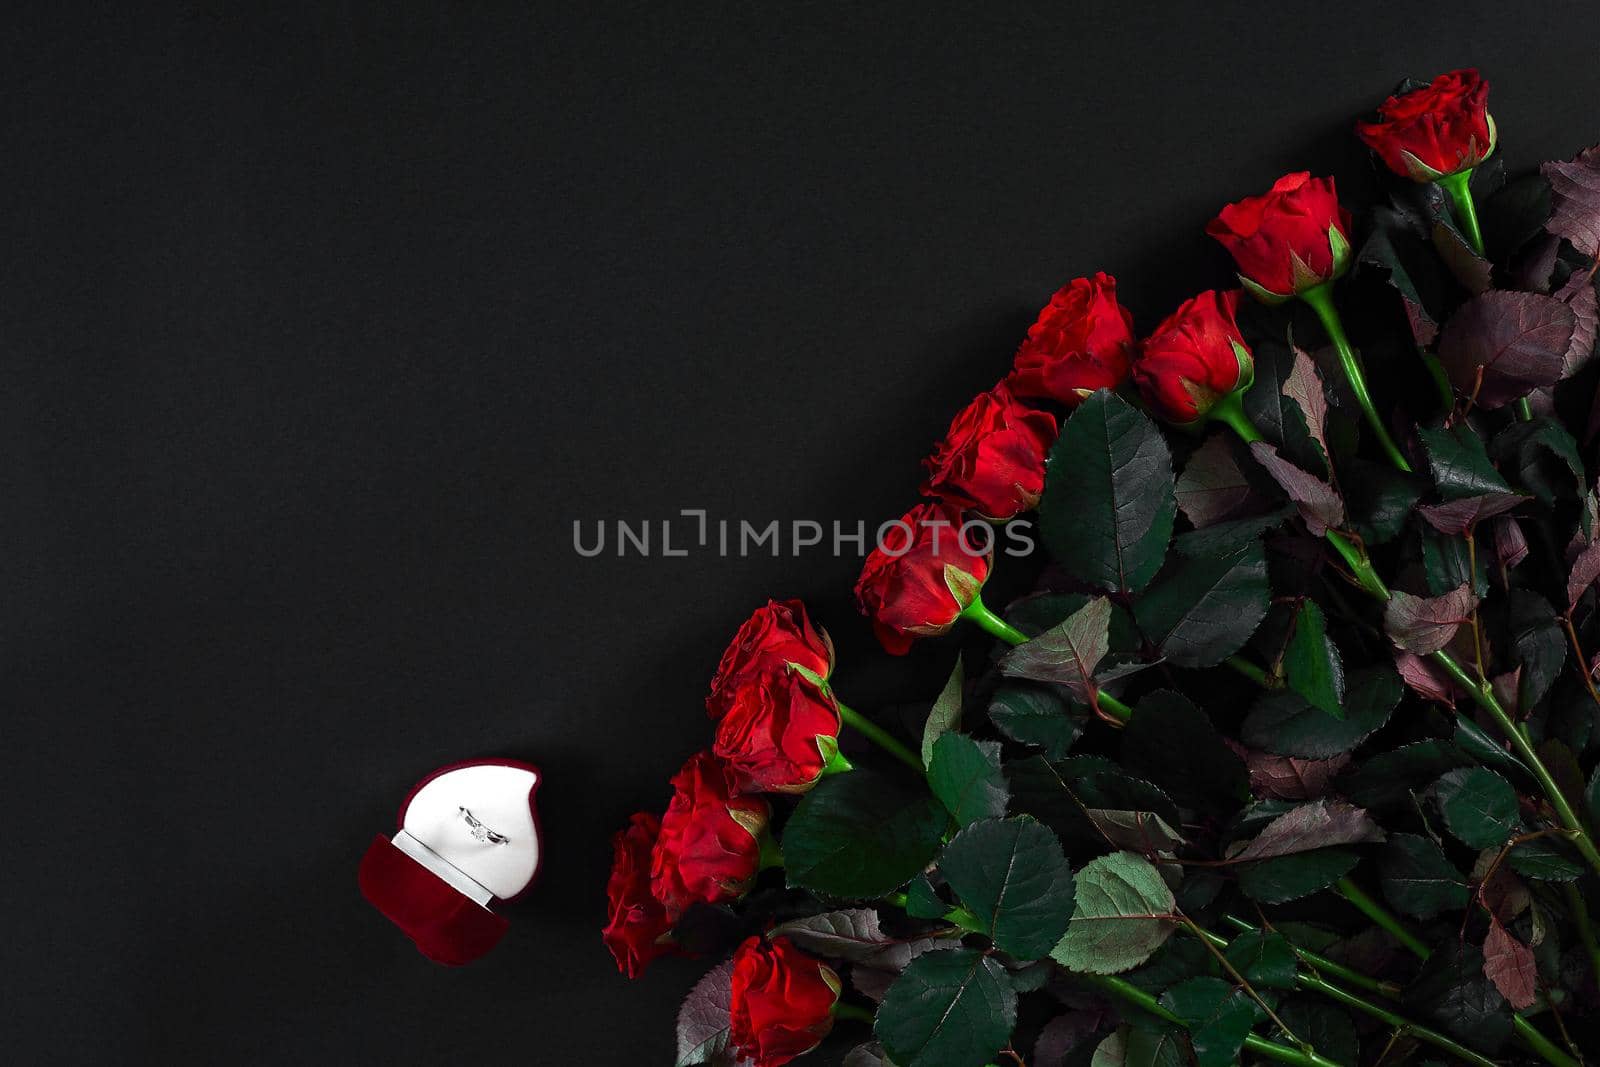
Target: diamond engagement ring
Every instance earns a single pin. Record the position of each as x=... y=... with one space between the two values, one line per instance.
x=480 y=831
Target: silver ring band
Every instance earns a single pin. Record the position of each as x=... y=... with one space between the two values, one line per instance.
x=480 y=831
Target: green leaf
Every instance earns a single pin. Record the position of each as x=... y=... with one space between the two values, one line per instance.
x=1417 y=879
x=1452 y=992
x=1311 y=662
x=1143 y=832
x=1108 y=506
x=1515 y=214
x=923 y=900
x=1034 y=715
x=949 y=1009
x=1379 y=498
x=945 y=714
x=1479 y=806
x=1228 y=537
x=1178 y=958
x=1217 y=1016
x=861 y=835
x=1266 y=959
x=1543 y=457
x=1124 y=913
x=1203 y=610
x=1591 y=795
x=1276 y=414
x=1388 y=779
x=1063 y=793
x=1153 y=1043
x=1460 y=463
x=1012 y=875
x=1287 y=724
x=1286 y=878
x=1448 y=564
x=1475 y=741
x=1539 y=643
x=1545 y=861
x=1172 y=742
x=965 y=775
x=1323 y=1027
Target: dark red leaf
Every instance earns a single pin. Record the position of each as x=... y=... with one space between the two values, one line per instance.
x=1424 y=625
x=1515 y=341
x=1456 y=517
x=1575 y=199
x=1318 y=502
x=1211 y=486
x=1508 y=963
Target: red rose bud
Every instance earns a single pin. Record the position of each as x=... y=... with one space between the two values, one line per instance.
x=636 y=923
x=1081 y=342
x=921 y=577
x=709 y=848
x=1294 y=238
x=782 y=1004
x=776 y=637
x=1194 y=358
x=777 y=732
x=992 y=460
x=1442 y=128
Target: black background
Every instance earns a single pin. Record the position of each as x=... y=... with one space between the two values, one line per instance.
x=321 y=324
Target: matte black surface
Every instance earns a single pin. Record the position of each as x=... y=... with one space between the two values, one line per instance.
x=320 y=326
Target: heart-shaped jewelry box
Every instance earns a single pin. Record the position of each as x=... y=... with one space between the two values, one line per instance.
x=468 y=836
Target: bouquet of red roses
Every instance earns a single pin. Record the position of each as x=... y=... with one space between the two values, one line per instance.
x=1290 y=756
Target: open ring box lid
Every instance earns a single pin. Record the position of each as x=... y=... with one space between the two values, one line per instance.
x=438 y=876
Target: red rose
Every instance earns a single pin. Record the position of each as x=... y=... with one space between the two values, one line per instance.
x=1290 y=240
x=1441 y=128
x=921 y=576
x=992 y=460
x=777 y=732
x=782 y=1004
x=636 y=923
x=1194 y=358
x=709 y=848
x=776 y=636
x=1081 y=342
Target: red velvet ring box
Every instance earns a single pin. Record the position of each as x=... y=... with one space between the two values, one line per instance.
x=468 y=836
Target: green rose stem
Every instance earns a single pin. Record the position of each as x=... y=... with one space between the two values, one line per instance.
x=958 y=915
x=878 y=736
x=841 y=1010
x=978 y=612
x=1320 y=297
x=1312 y=983
x=1459 y=189
x=1381 y=917
x=1483 y=695
x=1459 y=186
x=1529 y=1033
x=1252 y=672
x=1126 y=990
x=1322 y=963
x=1230 y=410
x=1580 y=916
